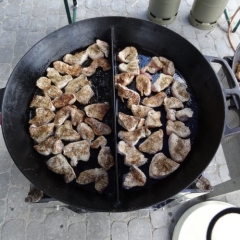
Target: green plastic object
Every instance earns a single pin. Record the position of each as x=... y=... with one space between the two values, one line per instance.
x=163 y=12
x=205 y=13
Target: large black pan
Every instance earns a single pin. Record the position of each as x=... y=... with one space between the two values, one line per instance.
x=192 y=65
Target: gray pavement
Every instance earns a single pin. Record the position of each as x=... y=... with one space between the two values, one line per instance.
x=22 y=24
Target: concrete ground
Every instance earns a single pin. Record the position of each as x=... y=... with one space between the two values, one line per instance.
x=22 y=24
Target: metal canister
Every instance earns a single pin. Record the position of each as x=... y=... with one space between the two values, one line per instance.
x=205 y=13
x=163 y=12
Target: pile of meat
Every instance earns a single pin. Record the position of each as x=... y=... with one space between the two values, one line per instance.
x=63 y=130
x=145 y=121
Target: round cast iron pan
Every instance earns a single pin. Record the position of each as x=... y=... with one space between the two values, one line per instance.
x=191 y=64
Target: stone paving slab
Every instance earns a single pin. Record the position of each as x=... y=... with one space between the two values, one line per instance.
x=22 y=24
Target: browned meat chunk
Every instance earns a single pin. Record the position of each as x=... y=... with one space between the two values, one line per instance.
x=97 y=175
x=172 y=103
x=100 y=141
x=135 y=178
x=39 y=134
x=97 y=110
x=131 y=67
x=127 y=121
x=178 y=128
x=171 y=114
x=162 y=83
x=105 y=158
x=76 y=84
x=155 y=101
x=50 y=145
x=161 y=166
x=179 y=91
x=63 y=68
x=178 y=147
x=85 y=132
x=153 y=66
x=59 y=164
x=94 y=51
x=124 y=78
x=96 y=63
x=143 y=85
x=103 y=46
x=238 y=72
x=77 y=116
x=77 y=151
x=98 y=128
x=53 y=91
x=84 y=95
x=76 y=59
x=132 y=155
x=62 y=115
x=153 y=143
x=184 y=114
x=133 y=137
x=140 y=111
x=168 y=66
x=57 y=79
x=153 y=119
x=43 y=116
x=64 y=100
x=66 y=132
x=132 y=96
x=42 y=102
x=128 y=55
x=43 y=83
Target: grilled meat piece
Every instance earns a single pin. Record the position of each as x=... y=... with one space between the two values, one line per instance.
x=155 y=101
x=85 y=132
x=43 y=116
x=96 y=63
x=238 y=72
x=131 y=67
x=66 y=132
x=62 y=115
x=132 y=96
x=162 y=83
x=168 y=66
x=77 y=151
x=94 y=52
x=178 y=128
x=59 y=164
x=103 y=46
x=64 y=68
x=76 y=84
x=127 y=55
x=132 y=155
x=53 y=91
x=105 y=158
x=140 y=111
x=42 y=102
x=127 y=121
x=184 y=114
x=153 y=66
x=97 y=175
x=141 y=123
x=134 y=178
x=143 y=85
x=178 y=147
x=76 y=59
x=161 y=166
x=171 y=114
x=97 y=110
x=153 y=144
x=100 y=141
x=57 y=79
x=64 y=100
x=133 y=137
x=50 y=145
x=124 y=78
x=98 y=128
x=77 y=116
x=39 y=134
x=153 y=119
x=179 y=91
x=172 y=102
x=43 y=83
x=84 y=95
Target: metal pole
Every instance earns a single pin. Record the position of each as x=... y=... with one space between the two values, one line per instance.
x=236 y=27
x=67 y=11
x=75 y=5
